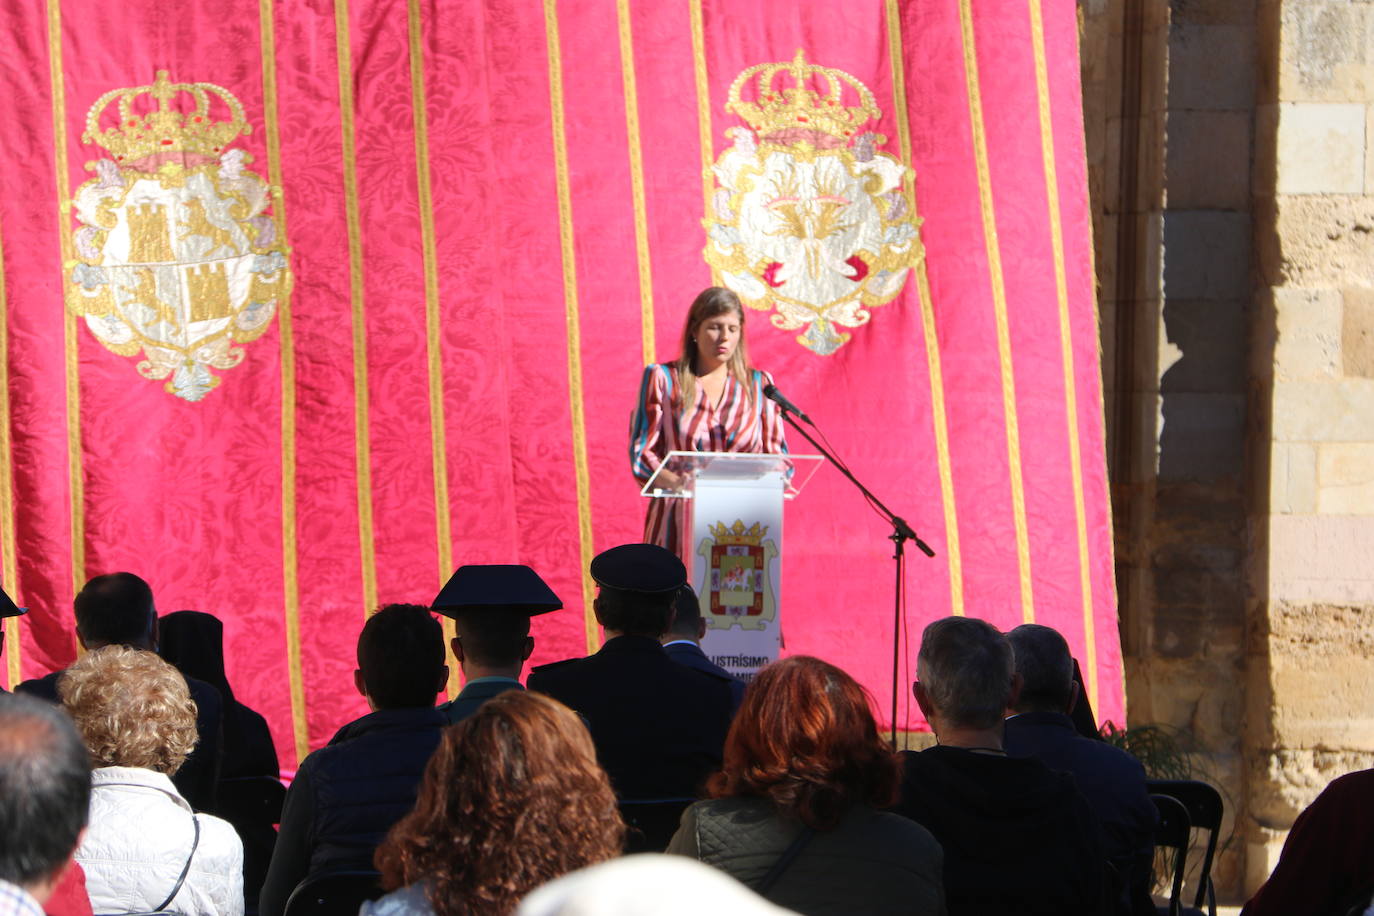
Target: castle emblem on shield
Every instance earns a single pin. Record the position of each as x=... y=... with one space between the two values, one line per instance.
x=177 y=254
x=808 y=218
x=740 y=566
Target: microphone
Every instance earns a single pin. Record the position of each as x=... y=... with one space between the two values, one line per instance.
x=772 y=393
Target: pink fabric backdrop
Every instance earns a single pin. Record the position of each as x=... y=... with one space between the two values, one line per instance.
x=486 y=302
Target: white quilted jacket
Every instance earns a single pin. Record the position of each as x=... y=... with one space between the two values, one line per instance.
x=137 y=842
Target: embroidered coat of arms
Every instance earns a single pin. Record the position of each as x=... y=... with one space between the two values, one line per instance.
x=809 y=218
x=177 y=255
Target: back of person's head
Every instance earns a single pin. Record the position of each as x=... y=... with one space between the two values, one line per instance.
x=115 y=609
x=805 y=739
x=635 y=613
x=965 y=666
x=513 y=797
x=131 y=708
x=45 y=789
x=401 y=656
x=493 y=637
x=686 y=614
x=1046 y=668
x=647 y=884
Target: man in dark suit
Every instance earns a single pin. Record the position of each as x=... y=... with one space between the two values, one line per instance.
x=7 y=609
x=659 y=727
x=682 y=642
x=117 y=610
x=1110 y=779
x=491 y=607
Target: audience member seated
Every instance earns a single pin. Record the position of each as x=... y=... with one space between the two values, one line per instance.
x=145 y=848
x=682 y=642
x=193 y=641
x=7 y=609
x=1110 y=779
x=512 y=798
x=1017 y=837
x=347 y=794
x=45 y=791
x=491 y=607
x=646 y=885
x=658 y=726
x=1327 y=863
x=794 y=813
x=117 y=610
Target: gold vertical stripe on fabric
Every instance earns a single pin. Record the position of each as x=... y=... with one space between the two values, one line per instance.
x=999 y=301
x=8 y=564
x=565 y=236
x=627 y=76
x=703 y=111
x=362 y=426
x=896 y=54
x=76 y=482
x=1061 y=288
x=438 y=433
x=290 y=568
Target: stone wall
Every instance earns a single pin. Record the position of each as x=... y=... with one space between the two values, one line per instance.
x=1232 y=188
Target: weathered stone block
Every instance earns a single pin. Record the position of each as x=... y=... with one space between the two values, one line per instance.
x=1357 y=332
x=1321 y=559
x=1341 y=410
x=1208 y=160
x=1324 y=51
x=1206 y=254
x=1212 y=66
x=1319 y=242
x=1345 y=478
x=1321 y=148
x=1292 y=478
x=1210 y=337
x=1308 y=341
x=1203 y=436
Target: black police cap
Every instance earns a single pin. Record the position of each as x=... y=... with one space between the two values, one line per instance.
x=7 y=606
x=644 y=568
x=511 y=587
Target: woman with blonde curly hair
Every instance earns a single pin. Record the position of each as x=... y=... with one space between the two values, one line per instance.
x=145 y=849
x=512 y=798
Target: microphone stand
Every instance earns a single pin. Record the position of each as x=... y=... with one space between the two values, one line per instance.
x=901 y=533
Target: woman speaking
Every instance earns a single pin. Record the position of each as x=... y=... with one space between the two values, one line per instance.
x=707 y=400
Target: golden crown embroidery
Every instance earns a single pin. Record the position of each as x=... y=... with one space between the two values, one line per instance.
x=177 y=253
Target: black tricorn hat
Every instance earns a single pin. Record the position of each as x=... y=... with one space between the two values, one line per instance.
x=644 y=568
x=511 y=587
x=7 y=606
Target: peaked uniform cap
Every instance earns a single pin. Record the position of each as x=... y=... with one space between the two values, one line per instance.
x=7 y=606
x=512 y=587
x=644 y=568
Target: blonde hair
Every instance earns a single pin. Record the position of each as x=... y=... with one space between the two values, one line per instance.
x=710 y=302
x=131 y=708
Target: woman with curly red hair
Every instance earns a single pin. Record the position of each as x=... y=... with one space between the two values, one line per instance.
x=795 y=810
x=512 y=798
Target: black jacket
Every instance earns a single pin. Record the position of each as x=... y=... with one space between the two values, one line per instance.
x=347 y=795
x=659 y=727
x=1019 y=839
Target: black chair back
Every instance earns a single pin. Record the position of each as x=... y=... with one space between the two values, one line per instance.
x=333 y=893
x=1205 y=810
x=1174 y=831
x=651 y=822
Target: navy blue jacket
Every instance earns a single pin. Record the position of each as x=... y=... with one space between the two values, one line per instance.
x=473 y=695
x=690 y=654
x=347 y=795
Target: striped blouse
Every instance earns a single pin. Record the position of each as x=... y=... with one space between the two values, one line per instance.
x=661 y=425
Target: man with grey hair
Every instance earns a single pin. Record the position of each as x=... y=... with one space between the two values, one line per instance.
x=1110 y=779
x=45 y=791
x=1018 y=838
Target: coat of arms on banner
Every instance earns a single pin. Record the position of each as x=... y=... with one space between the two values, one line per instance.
x=809 y=219
x=176 y=253
x=739 y=568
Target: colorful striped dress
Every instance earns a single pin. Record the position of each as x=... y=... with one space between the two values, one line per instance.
x=661 y=425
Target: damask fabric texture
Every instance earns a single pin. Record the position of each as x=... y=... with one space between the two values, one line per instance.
x=138 y=840
x=743 y=420
x=873 y=862
x=365 y=291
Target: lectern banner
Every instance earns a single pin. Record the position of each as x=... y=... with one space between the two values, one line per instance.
x=303 y=305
